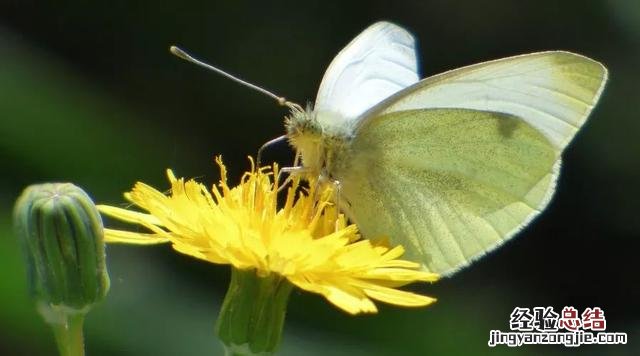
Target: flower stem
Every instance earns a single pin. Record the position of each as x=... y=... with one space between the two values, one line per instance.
x=253 y=312
x=69 y=336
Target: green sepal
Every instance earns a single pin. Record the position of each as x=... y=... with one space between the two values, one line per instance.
x=252 y=316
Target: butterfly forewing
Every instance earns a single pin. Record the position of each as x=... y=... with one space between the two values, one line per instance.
x=378 y=63
x=552 y=91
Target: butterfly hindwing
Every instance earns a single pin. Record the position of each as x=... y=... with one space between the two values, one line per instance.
x=448 y=184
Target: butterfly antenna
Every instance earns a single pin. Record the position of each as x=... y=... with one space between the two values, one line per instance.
x=187 y=57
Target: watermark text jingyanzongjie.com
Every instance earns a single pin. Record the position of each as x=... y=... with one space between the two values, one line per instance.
x=543 y=326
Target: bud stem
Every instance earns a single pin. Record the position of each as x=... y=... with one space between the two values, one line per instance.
x=69 y=336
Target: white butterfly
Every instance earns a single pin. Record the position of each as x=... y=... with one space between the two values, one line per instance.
x=451 y=166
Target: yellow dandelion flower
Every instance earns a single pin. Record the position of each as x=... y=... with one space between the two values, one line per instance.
x=304 y=242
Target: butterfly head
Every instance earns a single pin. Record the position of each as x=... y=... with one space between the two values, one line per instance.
x=305 y=135
x=316 y=137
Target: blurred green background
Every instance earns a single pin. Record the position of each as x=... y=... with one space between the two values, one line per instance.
x=90 y=94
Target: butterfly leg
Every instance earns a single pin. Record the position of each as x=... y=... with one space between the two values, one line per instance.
x=290 y=171
x=267 y=144
x=338 y=191
x=297 y=168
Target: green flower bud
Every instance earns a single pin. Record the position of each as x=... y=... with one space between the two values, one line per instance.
x=252 y=315
x=62 y=237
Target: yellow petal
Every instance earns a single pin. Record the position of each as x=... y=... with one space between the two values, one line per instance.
x=119 y=236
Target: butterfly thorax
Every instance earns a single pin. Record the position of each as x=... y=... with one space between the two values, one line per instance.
x=318 y=139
